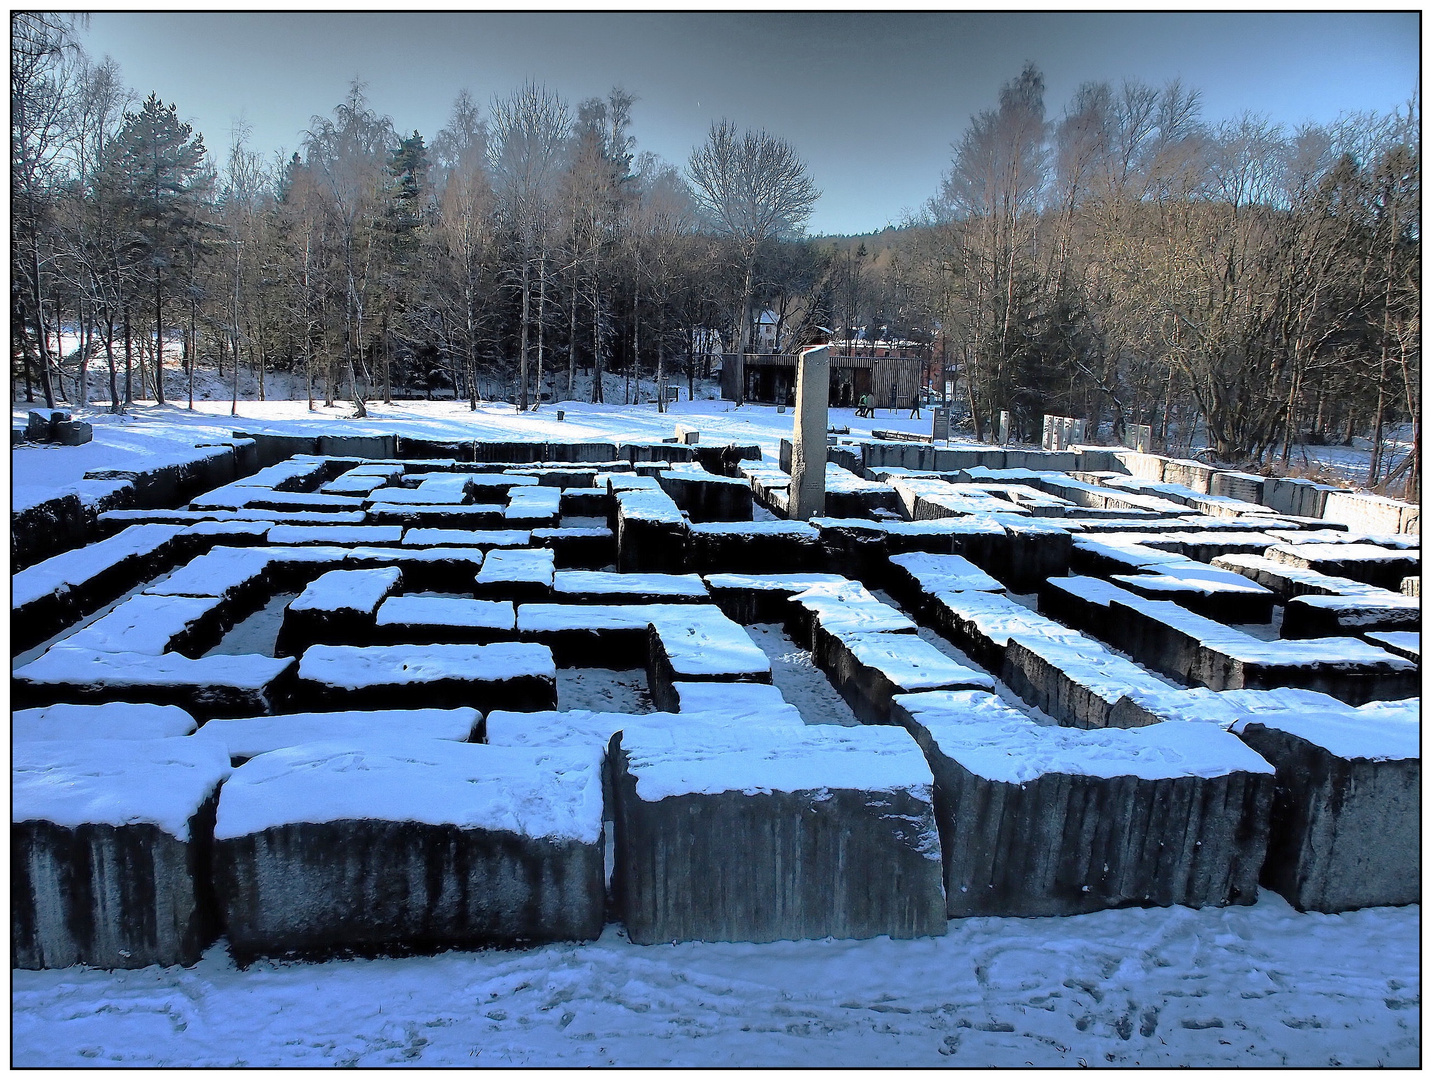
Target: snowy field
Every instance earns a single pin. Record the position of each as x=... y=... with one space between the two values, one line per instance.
x=1242 y=986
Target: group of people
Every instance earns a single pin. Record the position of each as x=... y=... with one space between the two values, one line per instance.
x=866 y=407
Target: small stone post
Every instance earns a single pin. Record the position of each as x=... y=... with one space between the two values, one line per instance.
x=812 y=419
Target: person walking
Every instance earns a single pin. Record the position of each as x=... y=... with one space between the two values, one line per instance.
x=915 y=406
x=863 y=409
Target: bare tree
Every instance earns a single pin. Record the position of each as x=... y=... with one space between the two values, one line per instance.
x=529 y=129
x=347 y=156
x=752 y=187
x=468 y=205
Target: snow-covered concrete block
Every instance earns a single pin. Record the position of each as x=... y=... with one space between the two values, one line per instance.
x=207 y=687
x=239 y=575
x=533 y=507
x=50 y=595
x=579 y=451
x=916 y=574
x=1404 y=643
x=424 y=620
x=1039 y=821
x=401 y=844
x=276 y=448
x=111 y=720
x=577 y=547
x=1286 y=581
x=1368 y=563
x=760 y=598
x=981 y=624
x=743 y=834
x=1347 y=813
x=1079 y=683
x=245 y=737
x=436 y=569
x=335 y=534
x=697 y=643
x=1224 y=595
x=360 y=485
x=776 y=547
x=485 y=540
x=517 y=574
x=743 y=702
x=857 y=546
x=841 y=608
x=191 y=625
x=110 y=842
x=338 y=608
x=596 y=587
x=651 y=532
x=418 y=516
x=1331 y=616
x=504 y=675
x=589 y=635
x=869 y=668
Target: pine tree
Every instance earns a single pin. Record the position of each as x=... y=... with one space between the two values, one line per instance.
x=163 y=160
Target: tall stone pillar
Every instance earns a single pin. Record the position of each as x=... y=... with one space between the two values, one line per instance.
x=812 y=420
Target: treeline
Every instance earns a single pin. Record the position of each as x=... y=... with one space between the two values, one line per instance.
x=1124 y=261
x=1127 y=262
x=518 y=245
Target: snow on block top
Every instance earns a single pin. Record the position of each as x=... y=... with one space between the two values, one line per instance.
x=553 y=792
x=991 y=740
x=1352 y=734
x=704 y=758
x=206 y=686
x=850 y=608
x=249 y=736
x=160 y=782
x=912 y=663
x=739 y=699
x=550 y=727
x=701 y=642
x=353 y=668
x=652 y=507
x=357 y=592
x=110 y=720
x=578 y=586
x=151 y=624
x=945 y=573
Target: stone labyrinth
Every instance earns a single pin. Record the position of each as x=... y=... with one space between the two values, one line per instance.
x=339 y=702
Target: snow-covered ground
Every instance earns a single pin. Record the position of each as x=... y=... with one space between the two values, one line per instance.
x=1259 y=985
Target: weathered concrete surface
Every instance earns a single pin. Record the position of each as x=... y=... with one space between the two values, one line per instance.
x=453 y=845
x=1346 y=831
x=1076 y=835
x=651 y=533
x=809 y=443
x=1332 y=616
x=109 y=853
x=828 y=858
x=1079 y=684
x=774 y=547
x=708 y=497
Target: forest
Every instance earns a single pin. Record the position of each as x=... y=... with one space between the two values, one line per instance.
x=1121 y=258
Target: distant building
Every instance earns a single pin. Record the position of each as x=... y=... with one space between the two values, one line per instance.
x=770 y=378
x=766 y=324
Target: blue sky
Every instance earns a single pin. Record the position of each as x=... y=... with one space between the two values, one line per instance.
x=871 y=101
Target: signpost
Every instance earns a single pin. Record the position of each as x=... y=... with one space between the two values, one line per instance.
x=940 y=432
